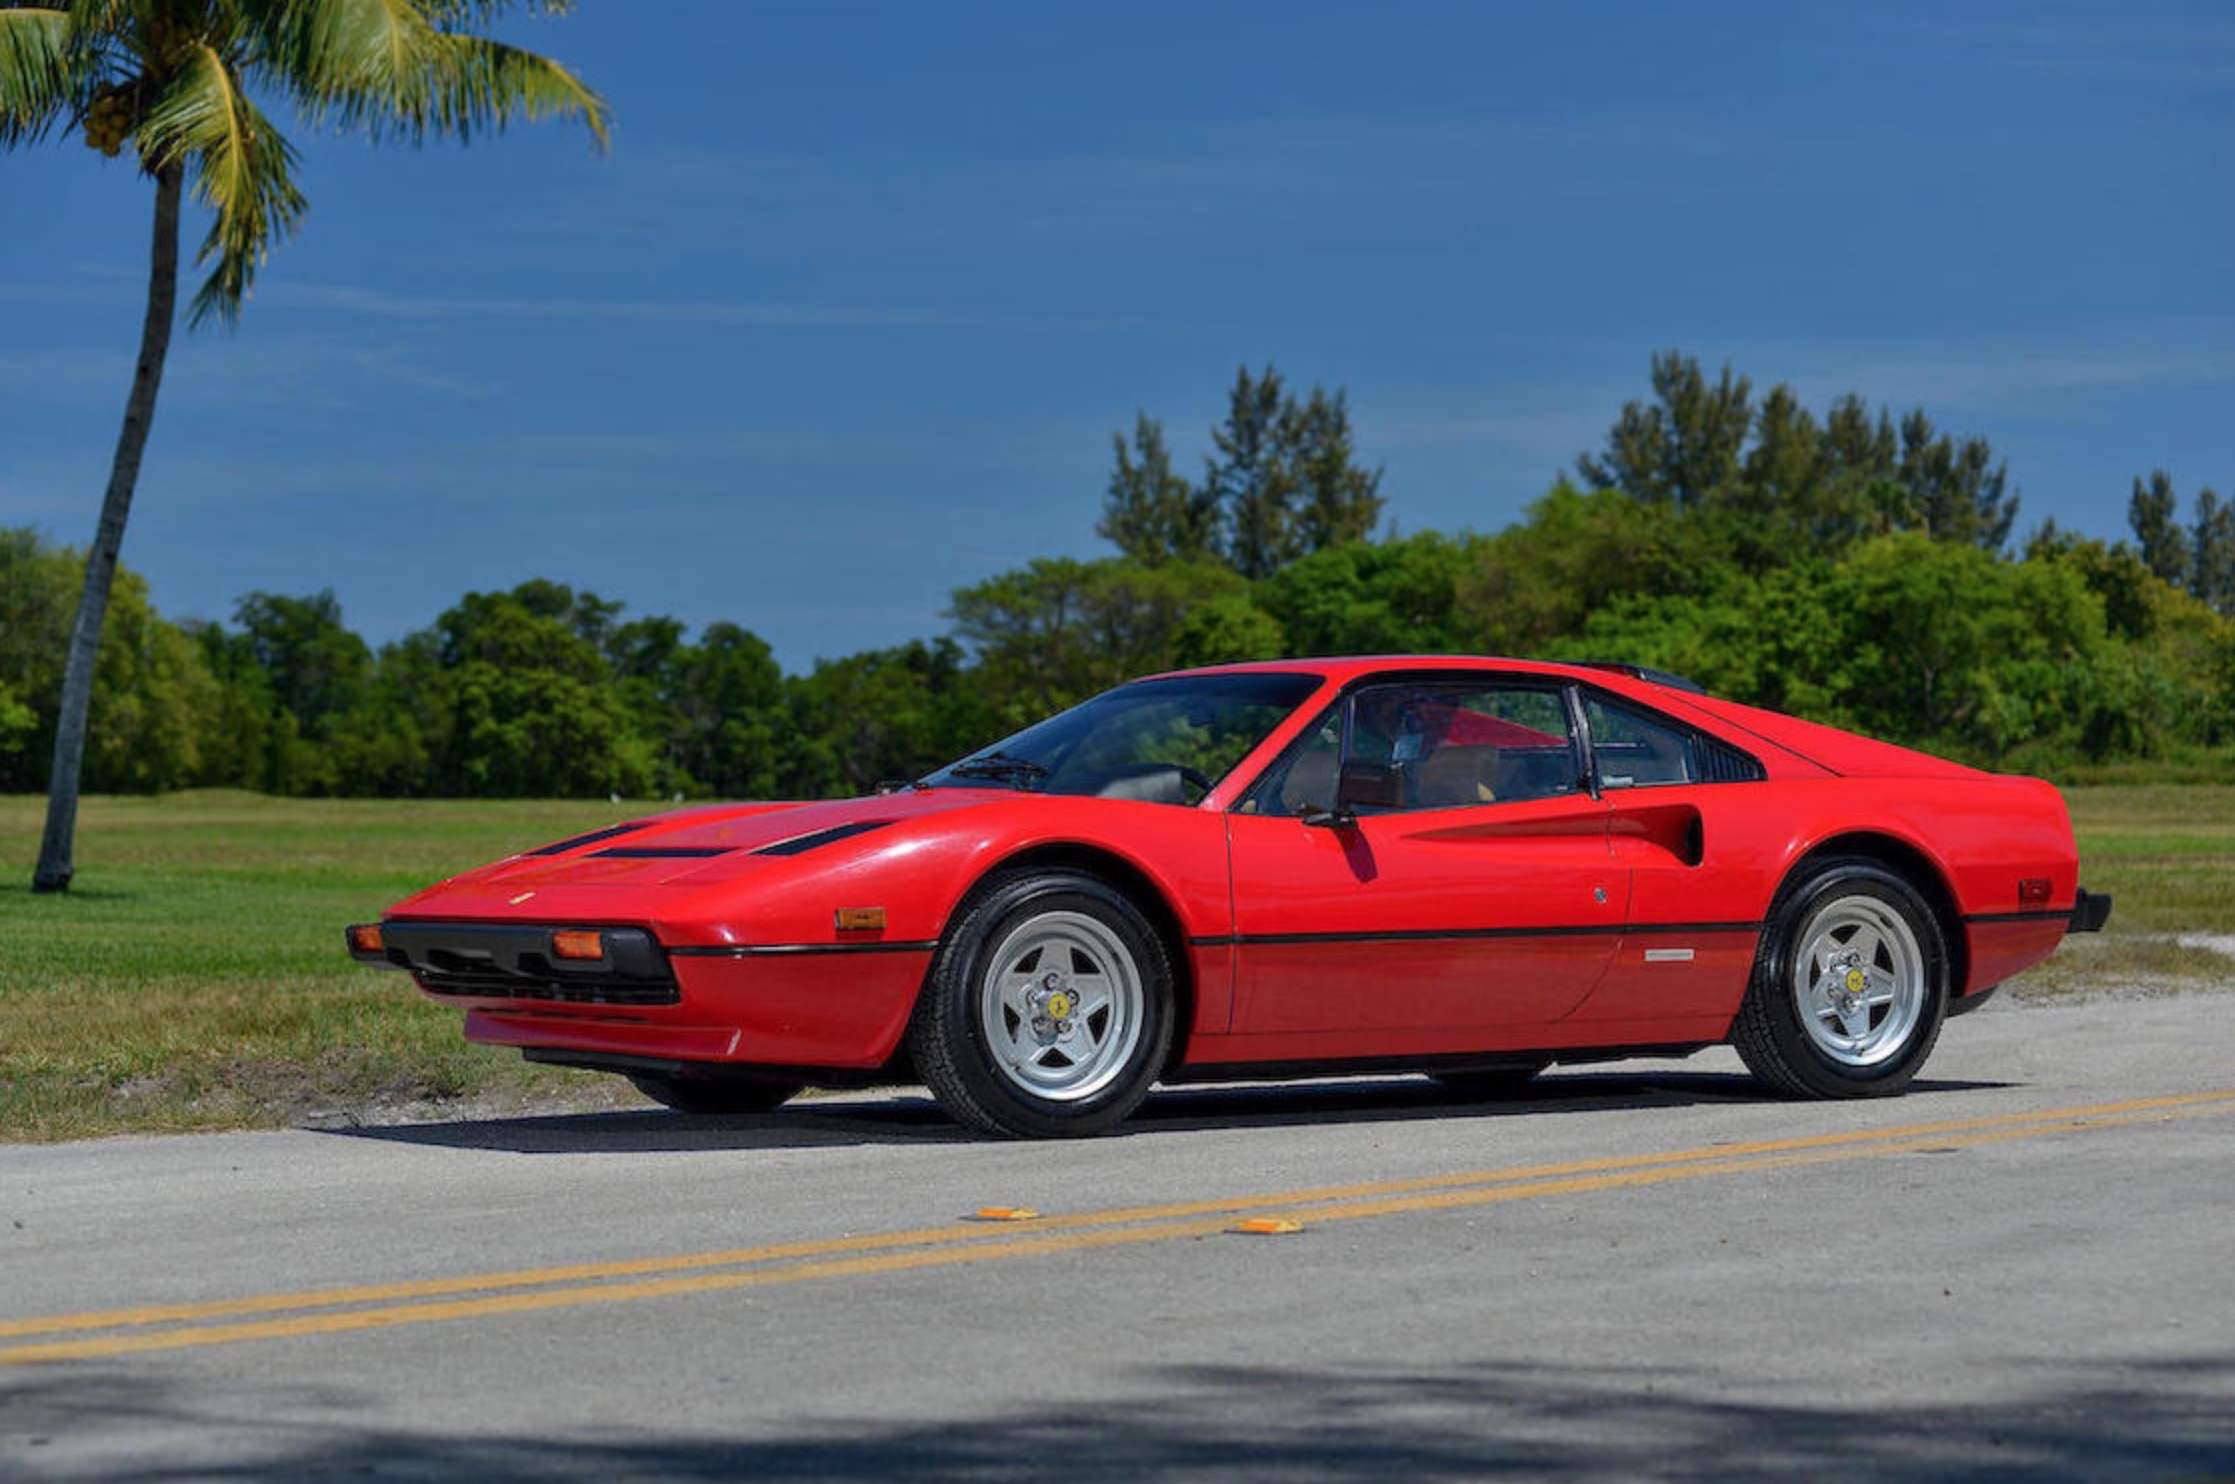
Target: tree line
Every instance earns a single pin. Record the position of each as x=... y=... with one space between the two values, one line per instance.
x=1855 y=566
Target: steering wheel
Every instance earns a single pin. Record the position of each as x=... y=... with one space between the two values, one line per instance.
x=1190 y=775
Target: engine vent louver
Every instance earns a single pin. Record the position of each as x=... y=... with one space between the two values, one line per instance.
x=801 y=844
x=1719 y=762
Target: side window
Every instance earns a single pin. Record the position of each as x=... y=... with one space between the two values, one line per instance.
x=1306 y=780
x=1631 y=749
x=1454 y=745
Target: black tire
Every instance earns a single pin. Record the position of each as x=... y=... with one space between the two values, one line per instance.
x=1768 y=1032
x=947 y=1039
x=716 y=1097
x=1488 y=1084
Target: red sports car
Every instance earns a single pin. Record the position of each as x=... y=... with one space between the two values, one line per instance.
x=1471 y=868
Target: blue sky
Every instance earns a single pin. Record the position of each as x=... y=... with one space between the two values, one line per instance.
x=848 y=313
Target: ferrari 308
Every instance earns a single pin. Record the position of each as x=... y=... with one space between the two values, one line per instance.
x=1470 y=868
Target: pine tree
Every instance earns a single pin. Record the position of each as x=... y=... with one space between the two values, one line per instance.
x=1150 y=513
x=1958 y=490
x=1251 y=477
x=1338 y=500
x=2151 y=511
x=1684 y=448
x=2212 y=567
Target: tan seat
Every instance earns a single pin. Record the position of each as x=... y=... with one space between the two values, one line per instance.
x=1452 y=776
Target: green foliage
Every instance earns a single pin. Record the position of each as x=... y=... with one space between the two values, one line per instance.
x=176 y=81
x=1373 y=598
x=1283 y=481
x=2152 y=513
x=1781 y=483
x=1150 y=513
x=1841 y=569
x=154 y=698
x=1059 y=630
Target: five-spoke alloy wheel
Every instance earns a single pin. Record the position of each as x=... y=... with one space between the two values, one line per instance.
x=1049 y=1009
x=1850 y=984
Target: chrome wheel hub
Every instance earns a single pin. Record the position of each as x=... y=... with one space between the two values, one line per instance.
x=1859 y=981
x=1061 y=1005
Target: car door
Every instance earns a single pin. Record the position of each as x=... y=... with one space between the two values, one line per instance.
x=1689 y=940
x=1482 y=893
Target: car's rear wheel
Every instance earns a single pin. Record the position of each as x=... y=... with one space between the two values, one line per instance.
x=716 y=1096
x=1850 y=984
x=1049 y=1010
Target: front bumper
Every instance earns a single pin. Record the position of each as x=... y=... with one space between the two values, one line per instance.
x=518 y=961
x=2090 y=911
x=839 y=1005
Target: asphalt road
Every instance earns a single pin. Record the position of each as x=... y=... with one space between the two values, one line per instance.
x=2023 y=1269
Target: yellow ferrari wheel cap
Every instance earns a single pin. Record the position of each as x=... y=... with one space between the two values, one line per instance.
x=1855 y=981
x=1059 y=1006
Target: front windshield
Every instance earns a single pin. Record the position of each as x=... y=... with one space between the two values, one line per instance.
x=1165 y=741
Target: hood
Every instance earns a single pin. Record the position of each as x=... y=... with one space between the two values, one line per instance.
x=689 y=847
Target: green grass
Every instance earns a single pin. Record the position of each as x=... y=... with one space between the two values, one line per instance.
x=194 y=976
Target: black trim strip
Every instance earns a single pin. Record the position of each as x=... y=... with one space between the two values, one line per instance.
x=801 y=844
x=660 y=852
x=1408 y=935
x=2048 y=916
x=576 y=842
x=756 y=950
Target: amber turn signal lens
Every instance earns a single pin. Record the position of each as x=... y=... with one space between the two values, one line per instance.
x=578 y=943
x=861 y=919
x=365 y=938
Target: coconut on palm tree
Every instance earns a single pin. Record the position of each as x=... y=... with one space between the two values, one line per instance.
x=172 y=85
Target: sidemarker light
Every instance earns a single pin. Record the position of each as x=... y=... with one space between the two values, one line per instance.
x=578 y=943
x=364 y=937
x=2033 y=891
x=861 y=919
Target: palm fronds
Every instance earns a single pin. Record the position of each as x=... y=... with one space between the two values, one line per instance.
x=395 y=69
x=177 y=75
x=35 y=74
x=242 y=173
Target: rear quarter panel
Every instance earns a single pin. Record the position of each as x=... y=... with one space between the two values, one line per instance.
x=1981 y=834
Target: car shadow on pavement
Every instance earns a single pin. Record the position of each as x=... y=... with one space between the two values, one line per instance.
x=908 y=1116
x=1496 y=1415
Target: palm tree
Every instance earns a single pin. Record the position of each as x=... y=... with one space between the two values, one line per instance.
x=171 y=81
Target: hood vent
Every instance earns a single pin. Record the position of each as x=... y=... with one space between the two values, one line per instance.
x=661 y=852
x=592 y=838
x=801 y=844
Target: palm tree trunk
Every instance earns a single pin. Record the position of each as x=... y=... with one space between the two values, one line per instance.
x=56 y=866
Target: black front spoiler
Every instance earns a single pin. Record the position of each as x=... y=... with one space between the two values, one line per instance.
x=2090 y=912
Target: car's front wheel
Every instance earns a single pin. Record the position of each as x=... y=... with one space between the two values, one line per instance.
x=1049 y=1010
x=1850 y=985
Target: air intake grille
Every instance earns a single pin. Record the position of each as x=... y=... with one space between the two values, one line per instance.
x=484 y=984
x=1719 y=762
x=515 y=961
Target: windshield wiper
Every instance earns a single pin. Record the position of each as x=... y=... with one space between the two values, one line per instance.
x=1000 y=766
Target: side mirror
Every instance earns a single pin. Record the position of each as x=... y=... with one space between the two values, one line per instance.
x=1358 y=786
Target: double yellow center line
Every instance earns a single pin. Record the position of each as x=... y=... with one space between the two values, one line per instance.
x=270 y=1316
